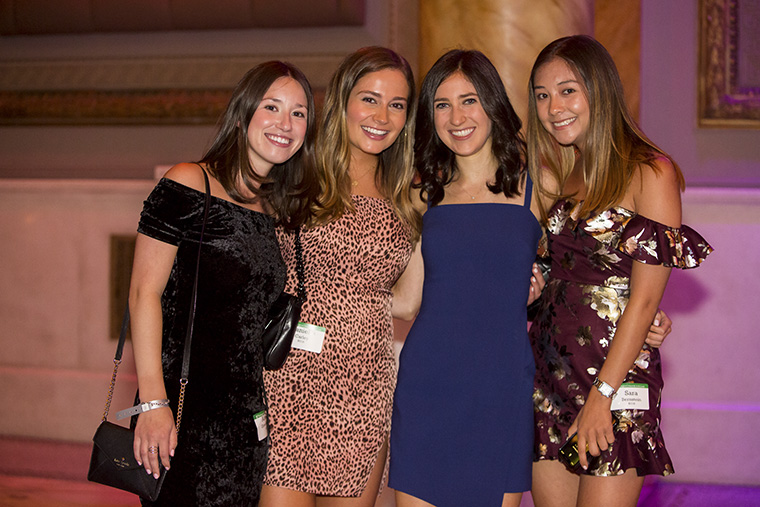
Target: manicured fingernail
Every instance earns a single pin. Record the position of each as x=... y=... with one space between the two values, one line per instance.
x=156 y=475
x=656 y=322
x=148 y=471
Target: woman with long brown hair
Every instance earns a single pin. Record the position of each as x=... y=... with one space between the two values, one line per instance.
x=331 y=402
x=612 y=208
x=462 y=415
x=254 y=168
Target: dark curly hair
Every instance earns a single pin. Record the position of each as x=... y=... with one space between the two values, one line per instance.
x=435 y=162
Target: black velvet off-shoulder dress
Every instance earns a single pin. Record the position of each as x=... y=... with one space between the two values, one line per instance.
x=219 y=459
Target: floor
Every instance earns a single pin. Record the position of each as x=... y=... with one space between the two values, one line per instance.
x=52 y=474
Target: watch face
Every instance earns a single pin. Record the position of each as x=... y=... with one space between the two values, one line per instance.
x=604 y=388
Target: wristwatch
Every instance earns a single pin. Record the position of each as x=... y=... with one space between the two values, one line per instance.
x=604 y=388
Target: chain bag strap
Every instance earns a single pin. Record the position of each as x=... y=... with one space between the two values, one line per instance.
x=112 y=462
x=191 y=318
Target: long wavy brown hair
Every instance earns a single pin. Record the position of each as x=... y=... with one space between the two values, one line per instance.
x=289 y=187
x=616 y=144
x=333 y=153
x=436 y=164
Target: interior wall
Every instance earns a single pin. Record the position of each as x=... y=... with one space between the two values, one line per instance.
x=200 y=59
x=55 y=353
x=710 y=403
x=709 y=157
x=65 y=189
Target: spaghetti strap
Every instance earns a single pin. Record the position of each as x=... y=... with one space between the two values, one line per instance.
x=528 y=189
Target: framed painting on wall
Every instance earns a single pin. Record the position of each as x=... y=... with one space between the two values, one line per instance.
x=729 y=75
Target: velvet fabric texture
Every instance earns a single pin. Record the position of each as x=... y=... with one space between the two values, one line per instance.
x=219 y=459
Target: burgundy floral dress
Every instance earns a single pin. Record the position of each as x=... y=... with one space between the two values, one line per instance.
x=576 y=321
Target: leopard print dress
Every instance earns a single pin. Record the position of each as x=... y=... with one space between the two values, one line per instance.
x=330 y=412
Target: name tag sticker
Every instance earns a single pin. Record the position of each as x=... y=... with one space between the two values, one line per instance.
x=262 y=426
x=309 y=337
x=631 y=396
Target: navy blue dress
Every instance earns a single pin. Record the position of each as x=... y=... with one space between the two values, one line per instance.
x=462 y=429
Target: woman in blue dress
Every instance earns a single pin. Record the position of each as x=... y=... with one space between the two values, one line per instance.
x=462 y=429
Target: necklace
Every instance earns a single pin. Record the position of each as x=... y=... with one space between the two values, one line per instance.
x=471 y=196
x=355 y=181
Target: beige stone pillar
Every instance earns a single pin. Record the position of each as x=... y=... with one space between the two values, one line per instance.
x=619 y=29
x=510 y=32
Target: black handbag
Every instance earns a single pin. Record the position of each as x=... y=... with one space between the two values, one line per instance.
x=113 y=460
x=283 y=317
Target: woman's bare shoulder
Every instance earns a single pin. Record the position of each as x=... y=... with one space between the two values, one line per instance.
x=188 y=174
x=657 y=194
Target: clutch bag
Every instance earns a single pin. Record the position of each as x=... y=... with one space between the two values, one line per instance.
x=113 y=463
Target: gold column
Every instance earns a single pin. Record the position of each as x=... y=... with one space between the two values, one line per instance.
x=619 y=29
x=510 y=32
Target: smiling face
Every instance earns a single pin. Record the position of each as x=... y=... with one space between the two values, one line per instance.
x=460 y=120
x=561 y=103
x=278 y=126
x=376 y=111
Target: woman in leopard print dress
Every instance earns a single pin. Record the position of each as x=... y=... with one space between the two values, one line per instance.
x=330 y=405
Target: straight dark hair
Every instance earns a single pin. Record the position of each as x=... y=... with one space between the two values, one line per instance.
x=289 y=186
x=435 y=162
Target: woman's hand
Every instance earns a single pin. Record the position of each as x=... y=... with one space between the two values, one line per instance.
x=537 y=284
x=593 y=426
x=155 y=435
x=155 y=428
x=660 y=328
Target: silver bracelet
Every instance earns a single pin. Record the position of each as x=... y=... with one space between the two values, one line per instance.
x=142 y=407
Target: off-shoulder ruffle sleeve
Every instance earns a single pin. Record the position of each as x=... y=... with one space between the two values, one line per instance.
x=169 y=211
x=651 y=242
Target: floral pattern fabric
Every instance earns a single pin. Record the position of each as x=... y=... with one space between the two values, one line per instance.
x=583 y=300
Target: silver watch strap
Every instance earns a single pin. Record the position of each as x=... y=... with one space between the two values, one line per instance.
x=142 y=407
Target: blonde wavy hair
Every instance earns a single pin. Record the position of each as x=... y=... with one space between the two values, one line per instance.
x=333 y=153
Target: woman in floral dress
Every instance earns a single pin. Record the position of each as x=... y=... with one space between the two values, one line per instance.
x=611 y=197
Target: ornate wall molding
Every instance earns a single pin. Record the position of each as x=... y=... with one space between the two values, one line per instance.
x=175 y=77
x=29 y=17
x=724 y=98
x=159 y=90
